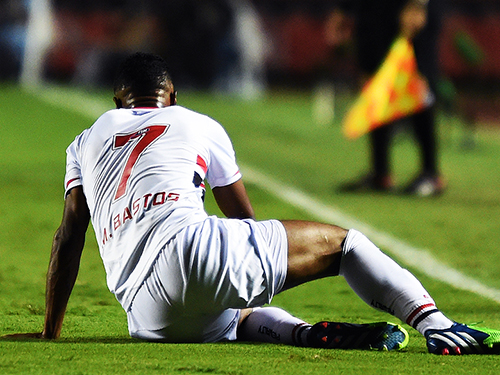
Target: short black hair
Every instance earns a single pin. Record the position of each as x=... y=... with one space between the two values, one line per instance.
x=143 y=73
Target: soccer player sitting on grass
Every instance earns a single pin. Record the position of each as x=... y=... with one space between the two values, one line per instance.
x=182 y=276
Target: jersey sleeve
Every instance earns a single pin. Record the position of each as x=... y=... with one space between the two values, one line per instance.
x=222 y=169
x=73 y=177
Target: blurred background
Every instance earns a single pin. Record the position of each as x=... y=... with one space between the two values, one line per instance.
x=239 y=47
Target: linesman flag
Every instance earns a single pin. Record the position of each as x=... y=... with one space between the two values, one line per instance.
x=396 y=90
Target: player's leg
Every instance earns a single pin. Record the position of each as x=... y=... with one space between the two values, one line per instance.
x=277 y=326
x=383 y=284
x=429 y=181
x=319 y=250
x=314 y=251
x=380 y=140
x=273 y=325
x=379 y=178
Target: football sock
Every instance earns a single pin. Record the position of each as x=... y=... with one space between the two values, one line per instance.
x=273 y=325
x=426 y=317
x=383 y=284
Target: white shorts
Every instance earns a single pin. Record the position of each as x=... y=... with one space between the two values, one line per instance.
x=205 y=275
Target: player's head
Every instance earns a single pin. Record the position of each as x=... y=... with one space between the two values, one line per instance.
x=143 y=77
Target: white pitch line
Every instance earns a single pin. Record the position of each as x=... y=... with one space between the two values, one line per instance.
x=73 y=100
x=420 y=259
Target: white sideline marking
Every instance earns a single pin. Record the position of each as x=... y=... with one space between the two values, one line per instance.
x=420 y=259
x=76 y=101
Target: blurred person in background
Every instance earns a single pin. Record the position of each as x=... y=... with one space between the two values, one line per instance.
x=378 y=23
x=246 y=76
x=13 y=20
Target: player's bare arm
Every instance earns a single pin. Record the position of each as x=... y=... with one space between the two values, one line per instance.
x=233 y=201
x=65 y=257
x=64 y=263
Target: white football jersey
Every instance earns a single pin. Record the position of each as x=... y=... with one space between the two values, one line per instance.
x=143 y=172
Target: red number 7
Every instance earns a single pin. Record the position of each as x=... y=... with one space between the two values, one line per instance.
x=146 y=137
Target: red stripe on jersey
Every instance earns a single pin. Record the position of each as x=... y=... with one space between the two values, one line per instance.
x=70 y=181
x=201 y=163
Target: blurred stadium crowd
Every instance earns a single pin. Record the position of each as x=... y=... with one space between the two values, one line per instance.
x=237 y=46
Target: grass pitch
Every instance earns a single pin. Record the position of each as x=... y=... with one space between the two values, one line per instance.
x=275 y=135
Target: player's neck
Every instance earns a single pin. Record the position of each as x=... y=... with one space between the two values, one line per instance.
x=148 y=102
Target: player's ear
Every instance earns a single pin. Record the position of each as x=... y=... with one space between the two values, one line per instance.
x=118 y=102
x=173 y=98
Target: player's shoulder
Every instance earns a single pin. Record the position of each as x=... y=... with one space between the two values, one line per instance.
x=103 y=124
x=111 y=114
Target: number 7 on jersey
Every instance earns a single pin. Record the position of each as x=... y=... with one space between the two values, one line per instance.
x=145 y=138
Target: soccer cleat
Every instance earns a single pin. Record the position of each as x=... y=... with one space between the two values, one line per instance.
x=460 y=339
x=372 y=336
x=426 y=186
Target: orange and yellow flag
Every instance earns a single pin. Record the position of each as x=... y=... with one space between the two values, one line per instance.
x=396 y=90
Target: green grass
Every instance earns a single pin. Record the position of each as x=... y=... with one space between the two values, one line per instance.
x=274 y=135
